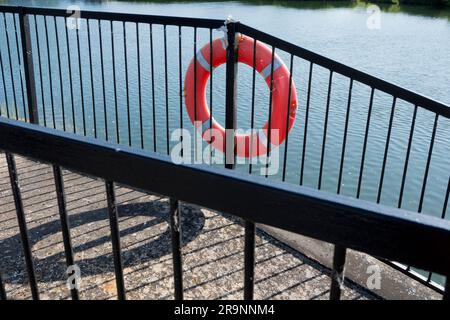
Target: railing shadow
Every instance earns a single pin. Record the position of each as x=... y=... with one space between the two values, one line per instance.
x=52 y=267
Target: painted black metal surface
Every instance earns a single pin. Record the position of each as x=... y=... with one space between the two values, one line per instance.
x=405 y=236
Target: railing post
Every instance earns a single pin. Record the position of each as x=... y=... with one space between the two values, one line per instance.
x=230 y=100
x=28 y=66
x=175 y=230
x=337 y=274
x=446 y=295
x=115 y=239
x=65 y=227
x=249 y=260
x=2 y=289
x=22 y=222
x=230 y=151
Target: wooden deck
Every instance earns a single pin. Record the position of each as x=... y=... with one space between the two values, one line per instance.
x=212 y=246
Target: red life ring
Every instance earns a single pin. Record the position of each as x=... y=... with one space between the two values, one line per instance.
x=280 y=93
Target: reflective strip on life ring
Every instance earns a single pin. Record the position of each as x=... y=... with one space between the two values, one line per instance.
x=255 y=143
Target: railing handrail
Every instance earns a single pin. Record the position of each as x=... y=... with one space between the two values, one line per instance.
x=395 y=90
x=115 y=16
x=352 y=73
x=375 y=229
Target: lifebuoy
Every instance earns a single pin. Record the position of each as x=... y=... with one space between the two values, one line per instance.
x=199 y=112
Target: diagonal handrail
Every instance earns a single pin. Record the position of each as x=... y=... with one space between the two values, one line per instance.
x=382 y=231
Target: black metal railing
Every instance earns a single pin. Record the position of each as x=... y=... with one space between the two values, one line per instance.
x=349 y=223
x=117 y=77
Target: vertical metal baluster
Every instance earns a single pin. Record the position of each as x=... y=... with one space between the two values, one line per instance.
x=195 y=94
x=175 y=228
x=69 y=65
x=60 y=75
x=92 y=76
x=230 y=95
x=444 y=211
x=10 y=68
x=50 y=84
x=305 y=132
x=2 y=289
x=408 y=151
x=2 y=70
x=166 y=89
x=153 y=88
x=366 y=136
x=249 y=260
x=344 y=141
x=81 y=80
x=446 y=296
x=115 y=238
x=24 y=51
x=427 y=168
x=337 y=274
x=444 y=208
x=28 y=64
x=386 y=149
x=252 y=119
x=269 y=127
x=250 y=228
x=40 y=69
x=138 y=45
x=430 y=274
x=210 y=93
x=325 y=128
x=113 y=53
x=0 y=107
x=105 y=112
x=288 y=113
x=126 y=81
x=180 y=75
x=65 y=227
x=22 y=225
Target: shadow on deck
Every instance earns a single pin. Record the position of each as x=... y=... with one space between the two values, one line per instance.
x=212 y=246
